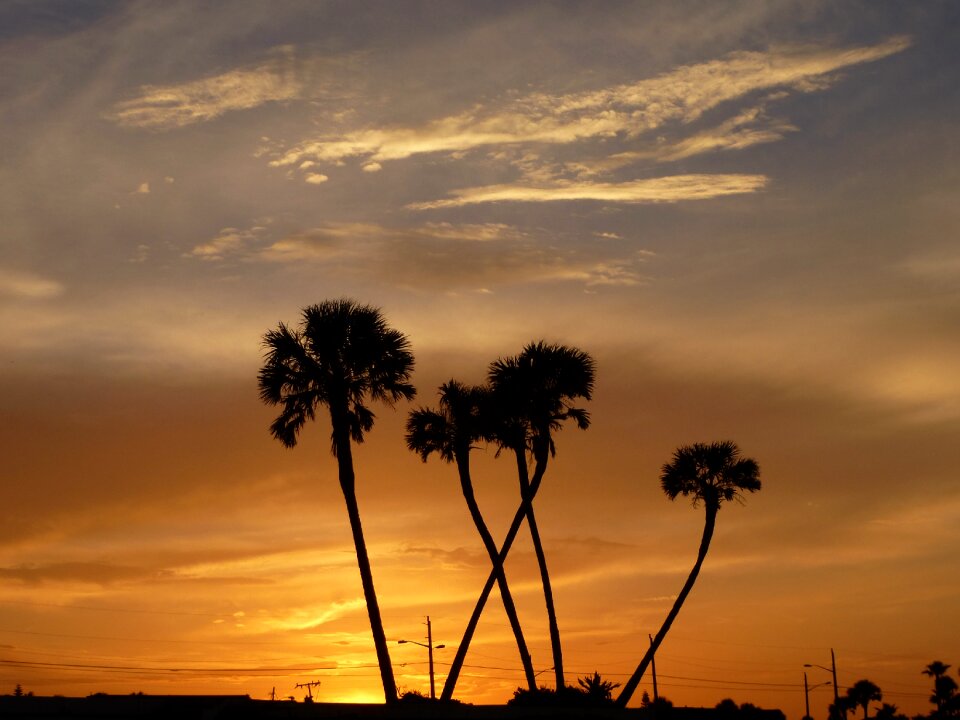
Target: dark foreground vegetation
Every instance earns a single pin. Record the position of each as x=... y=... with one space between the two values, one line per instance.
x=239 y=707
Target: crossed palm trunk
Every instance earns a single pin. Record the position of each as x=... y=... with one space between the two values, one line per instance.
x=554 y=628
x=496 y=559
x=525 y=505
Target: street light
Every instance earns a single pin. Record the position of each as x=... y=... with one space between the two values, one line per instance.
x=430 y=648
x=806 y=691
x=836 y=691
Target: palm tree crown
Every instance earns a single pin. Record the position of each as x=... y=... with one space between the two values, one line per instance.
x=711 y=473
x=341 y=353
x=535 y=391
x=452 y=428
x=862 y=693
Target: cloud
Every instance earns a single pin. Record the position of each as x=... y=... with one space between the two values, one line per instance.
x=166 y=107
x=227 y=242
x=654 y=190
x=628 y=110
x=439 y=256
x=316 y=178
x=28 y=286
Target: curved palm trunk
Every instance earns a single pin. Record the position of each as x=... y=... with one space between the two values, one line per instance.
x=457 y=664
x=631 y=685
x=348 y=486
x=542 y=562
x=466 y=485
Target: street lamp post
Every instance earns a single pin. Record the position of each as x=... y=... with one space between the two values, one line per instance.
x=806 y=693
x=430 y=647
x=836 y=690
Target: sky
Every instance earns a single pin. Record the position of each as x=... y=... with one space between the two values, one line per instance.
x=744 y=211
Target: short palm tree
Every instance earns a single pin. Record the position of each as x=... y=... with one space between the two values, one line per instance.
x=451 y=432
x=862 y=693
x=711 y=474
x=341 y=354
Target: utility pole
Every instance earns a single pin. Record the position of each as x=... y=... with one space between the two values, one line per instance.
x=806 y=696
x=309 y=686
x=433 y=689
x=653 y=669
x=836 y=690
x=429 y=646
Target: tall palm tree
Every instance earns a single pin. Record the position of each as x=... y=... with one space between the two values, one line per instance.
x=862 y=693
x=341 y=354
x=711 y=474
x=451 y=431
x=534 y=394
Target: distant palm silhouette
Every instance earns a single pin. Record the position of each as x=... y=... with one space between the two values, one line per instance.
x=711 y=474
x=944 y=687
x=451 y=431
x=935 y=669
x=555 y=375
x=341 y=354
x=862 y=693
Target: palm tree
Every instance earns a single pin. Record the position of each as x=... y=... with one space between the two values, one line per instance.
x=450 y=432
x=944 y=687
x=711 y=474
x=341 y=354
x=861 y=693
x=555 y=375
x=533 y=394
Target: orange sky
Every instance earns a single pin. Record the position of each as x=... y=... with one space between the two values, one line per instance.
x=746 y=215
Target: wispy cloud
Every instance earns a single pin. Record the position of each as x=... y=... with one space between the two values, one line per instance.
x=165 y=107
x=28 y=285
x=628 y=110
x=654 y=190
x=435 y=255
x=227 y=242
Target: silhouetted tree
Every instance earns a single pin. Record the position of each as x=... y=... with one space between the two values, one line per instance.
x=533 y=395
x=557 y=375
x=944 y=687
x=451 y=431
x=341 y=354
x=862 y=693
x=889 y=712
x=18 y=691
x=711 y=474
x=598 y=690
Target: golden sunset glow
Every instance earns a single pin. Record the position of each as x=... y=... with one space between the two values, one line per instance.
x=745 y=212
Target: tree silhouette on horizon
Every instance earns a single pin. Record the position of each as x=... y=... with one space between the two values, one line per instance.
x=561 y=375
x=450 y=431
x=341 y=354
x=862 y=693
x=944 y=686
x=712 y=474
